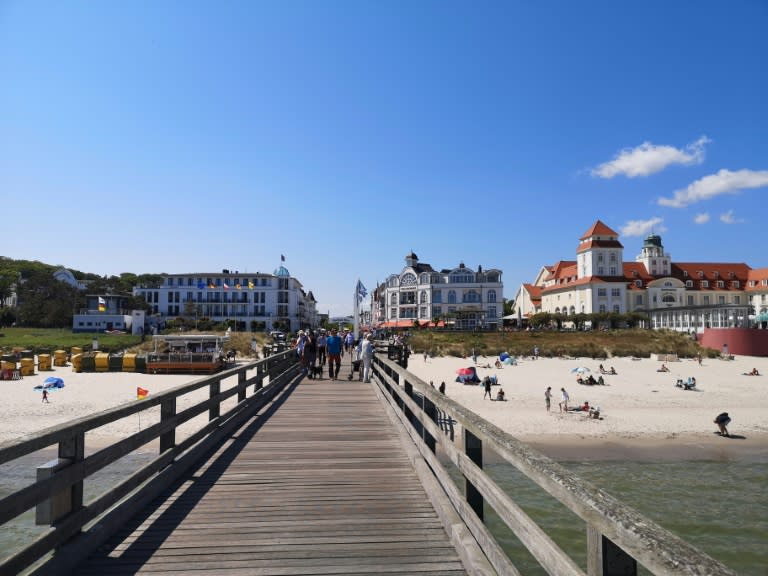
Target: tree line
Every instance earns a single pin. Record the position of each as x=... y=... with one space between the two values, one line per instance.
x=45 y=302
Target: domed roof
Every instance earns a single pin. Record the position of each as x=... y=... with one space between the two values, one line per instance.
x=282 y=271
x=412 y=256
x=653 y=240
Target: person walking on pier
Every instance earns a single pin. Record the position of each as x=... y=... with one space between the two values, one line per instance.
x=366 y=355
x=333 y=348
x=321 y=348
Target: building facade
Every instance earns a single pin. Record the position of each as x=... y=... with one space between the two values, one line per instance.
x=683 y=296
x=460 y=298
x=256 y=301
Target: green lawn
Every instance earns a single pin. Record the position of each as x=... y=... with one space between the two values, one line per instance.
x=46 y=340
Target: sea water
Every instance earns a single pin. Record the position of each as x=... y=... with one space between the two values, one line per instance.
x=719 y=507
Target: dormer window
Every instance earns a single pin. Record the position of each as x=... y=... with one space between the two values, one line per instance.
x=689 y=283
x=716 y=274
x=705 y=284
x=638 y=283
x=731 y=275
x=720 y=284
x=701 y=274
x=634 y=273
x=685 y=273
x=735 y=284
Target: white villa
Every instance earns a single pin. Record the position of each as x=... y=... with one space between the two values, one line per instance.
x=259 y=300
x=460 y=297
x=684 y=296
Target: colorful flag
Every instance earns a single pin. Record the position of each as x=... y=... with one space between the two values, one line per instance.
x=226 y=286
x=201 y=285
x=141 y=393
x=102 y=304
x=238 y=286
x=250 y=284
x=360 y=291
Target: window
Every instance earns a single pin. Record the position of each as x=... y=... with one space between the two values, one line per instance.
x=612 y=258
x=737 y=299
x=685 y=273
x=601 y=291
x=701 y=274
x=735 y=284
x=638 y=298
x=616 y=309
x=451 y=296
x=599 y=256
x=437 y=310
x=639 y=283
x=491 y=295
x=437 y=297
x=705 y=283
x=706 y=299
x=690 y=300
x=471 y=296
x=613 y=270
x=602 y=308
x=721 y=299
x=423 y=312
x=720 y=284
x=491 y=312
x=716 y=274
x=615 y=292
x=689 y=283
x=408 y=280
x=423 y=298
x=668 y=299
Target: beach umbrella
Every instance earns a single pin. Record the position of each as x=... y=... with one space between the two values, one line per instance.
x=464 y=371
x=503 y=356
x=508 y=360
x=581 y=370
x=51 y=383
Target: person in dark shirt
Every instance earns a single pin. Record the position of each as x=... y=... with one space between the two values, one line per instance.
x=333 y=348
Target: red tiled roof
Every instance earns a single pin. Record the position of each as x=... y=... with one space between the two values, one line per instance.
x=599 y=244
x=534 y=292
x=598 y=229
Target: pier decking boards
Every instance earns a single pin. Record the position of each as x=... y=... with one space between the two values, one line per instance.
x=318 y=485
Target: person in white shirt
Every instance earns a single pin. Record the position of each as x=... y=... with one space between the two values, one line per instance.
x=366 y=355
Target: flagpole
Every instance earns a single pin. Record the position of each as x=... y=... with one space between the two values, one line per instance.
x=356 y=327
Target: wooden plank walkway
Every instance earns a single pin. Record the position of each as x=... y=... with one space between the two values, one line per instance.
x=318 y=485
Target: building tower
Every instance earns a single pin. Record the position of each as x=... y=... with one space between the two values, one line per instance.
x=600 y=253
x=656 y=261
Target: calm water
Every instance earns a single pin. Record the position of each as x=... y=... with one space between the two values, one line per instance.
x=719 y=507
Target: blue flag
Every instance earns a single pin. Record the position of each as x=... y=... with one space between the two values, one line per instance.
x=360 y=291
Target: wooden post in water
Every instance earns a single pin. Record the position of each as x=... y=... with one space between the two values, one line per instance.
x=604 y=558
x=473 y=448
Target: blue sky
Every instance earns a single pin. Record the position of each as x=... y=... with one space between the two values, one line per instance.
x=195 y=136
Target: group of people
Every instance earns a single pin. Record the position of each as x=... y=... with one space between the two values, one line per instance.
x=590 y=380
x=688 y=384
x=612 y=370
x=487 y=383
x=315 y=348
x=592 y=412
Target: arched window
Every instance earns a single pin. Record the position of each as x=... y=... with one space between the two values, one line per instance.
x=471 y=296
x=423 y=298
x=668 y=299
x=491 y=295
x=451 y=296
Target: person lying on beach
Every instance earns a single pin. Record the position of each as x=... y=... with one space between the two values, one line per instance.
x=663 y=368
x=583 y=408
x=754 y=372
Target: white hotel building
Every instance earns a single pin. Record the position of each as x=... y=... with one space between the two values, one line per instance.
x=460 y=297
x=249 y=299
x=684 y=296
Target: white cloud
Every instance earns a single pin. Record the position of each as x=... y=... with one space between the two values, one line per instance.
x=701 y=218
x=727 y=218
x=648 y=159
x=724 y=182
x=642 y=227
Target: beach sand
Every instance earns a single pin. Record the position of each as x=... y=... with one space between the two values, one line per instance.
x=644 y=416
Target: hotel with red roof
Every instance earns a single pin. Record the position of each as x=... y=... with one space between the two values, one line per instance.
x=683 y=296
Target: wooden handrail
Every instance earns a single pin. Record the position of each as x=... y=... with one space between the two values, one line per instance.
x=57 y=493
x=616 y=533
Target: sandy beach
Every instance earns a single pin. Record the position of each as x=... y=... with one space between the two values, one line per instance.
x=643 y=414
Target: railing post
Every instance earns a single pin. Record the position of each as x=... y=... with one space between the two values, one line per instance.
x=240 y=381
x=604 y=558
x=71 y=451
x=431 y=412
x=215 y=410
x=167 y=411
x=473 y=448
x=259 y=384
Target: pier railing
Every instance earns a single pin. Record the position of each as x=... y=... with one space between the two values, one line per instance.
x=617 y=537
x=57 y=493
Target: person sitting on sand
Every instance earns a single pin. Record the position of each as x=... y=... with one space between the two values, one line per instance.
x=600 y=380
x=602 y=370
x=663 y=368
x=500 y=397
x=613 y=371
x=690 y=384
x=497 y=363
x=722 y=421
x=594 y=413
x=754 y=372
